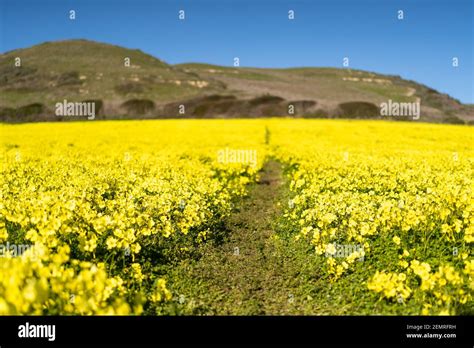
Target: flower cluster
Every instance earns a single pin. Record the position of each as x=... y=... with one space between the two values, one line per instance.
x=404 y=193
x=108 y=204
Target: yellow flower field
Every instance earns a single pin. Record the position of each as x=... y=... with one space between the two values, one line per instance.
x=398 y=196
x=101 y=206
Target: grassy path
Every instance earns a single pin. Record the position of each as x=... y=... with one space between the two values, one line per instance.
x=258 y=269
x=248 y=273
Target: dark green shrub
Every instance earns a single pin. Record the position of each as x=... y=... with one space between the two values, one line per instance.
x=358 y=109
x=138 y=106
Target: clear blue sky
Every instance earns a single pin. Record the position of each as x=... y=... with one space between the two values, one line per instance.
x=419 y=48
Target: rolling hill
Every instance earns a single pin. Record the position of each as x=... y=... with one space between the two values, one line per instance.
x=80 y=70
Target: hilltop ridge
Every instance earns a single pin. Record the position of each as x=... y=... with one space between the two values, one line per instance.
x=147 y=87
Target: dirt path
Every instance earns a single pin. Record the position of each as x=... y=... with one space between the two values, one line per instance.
x=247 y=274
